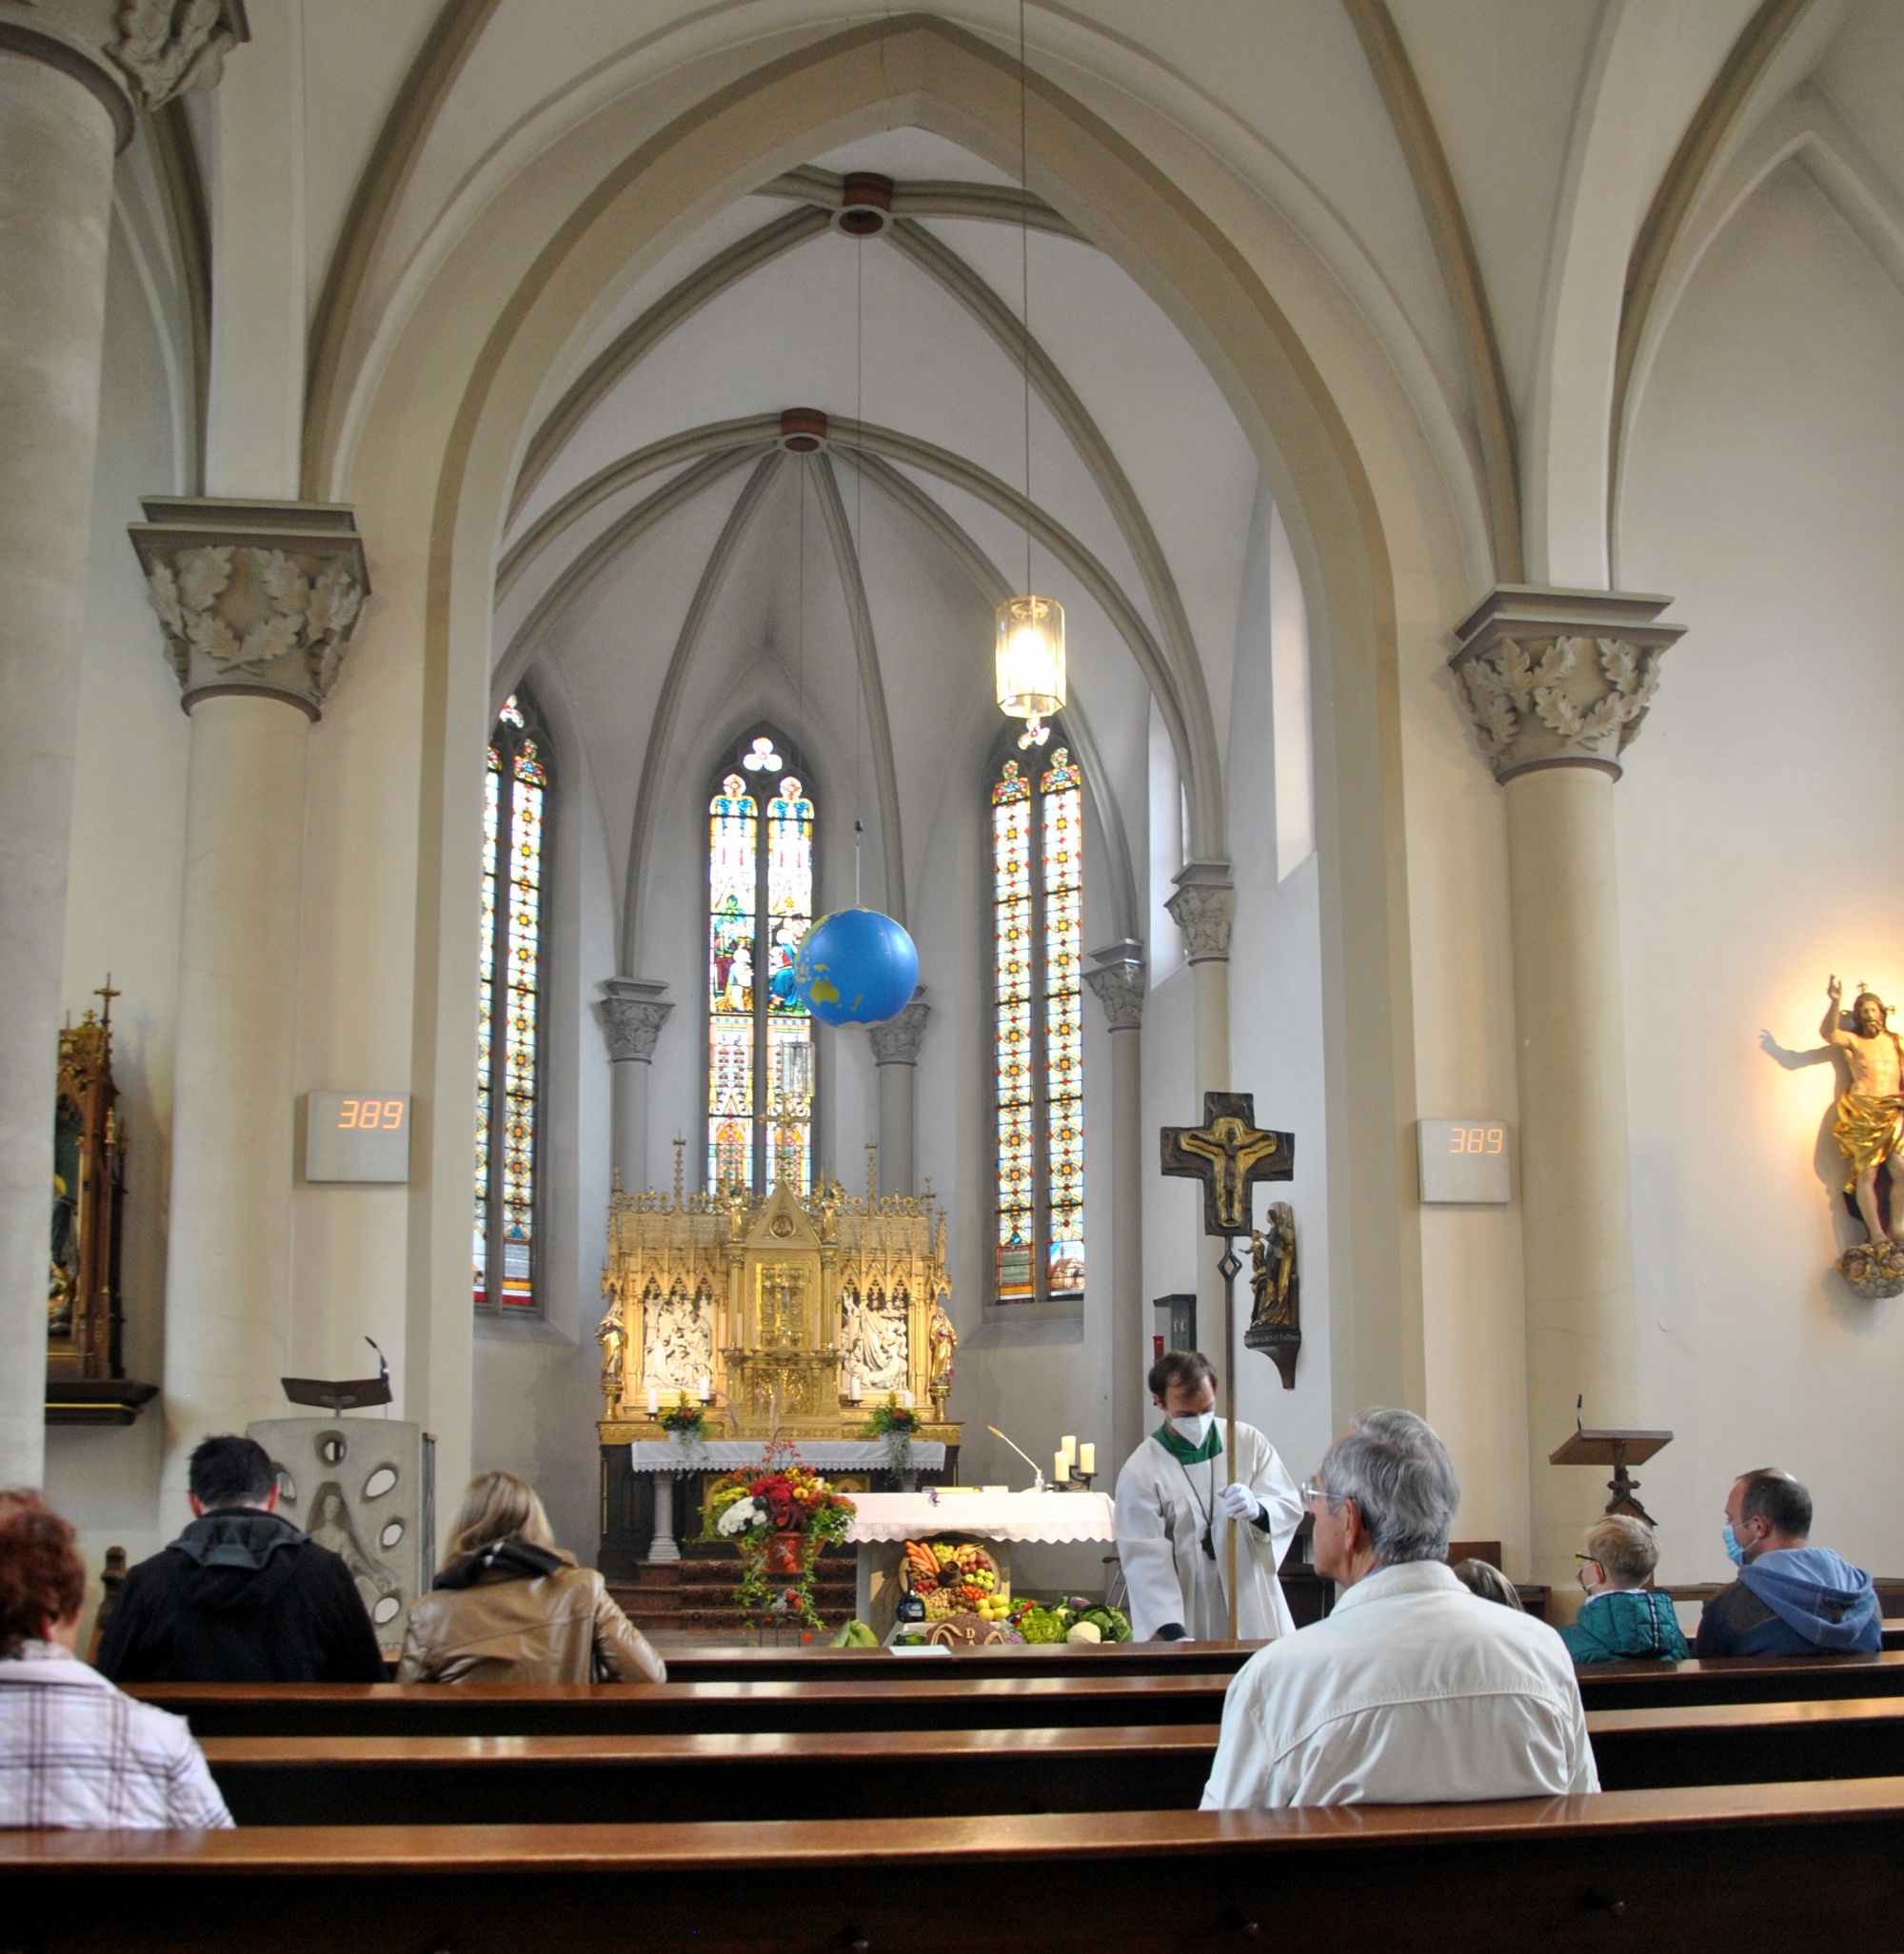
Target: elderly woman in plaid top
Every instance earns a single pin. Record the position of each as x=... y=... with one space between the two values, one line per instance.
x=74 y=1750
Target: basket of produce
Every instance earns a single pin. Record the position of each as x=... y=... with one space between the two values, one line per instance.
x=956 y=1578
x=1078 y=1622
x=969 y=1631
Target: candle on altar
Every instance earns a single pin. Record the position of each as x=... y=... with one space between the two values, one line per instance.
x=1088 y=1460
x=1060 y=1471
x=1070 y=1444
x=654 y=1399
x=707 y=1389
x=906 y=1398
x=853 y=1391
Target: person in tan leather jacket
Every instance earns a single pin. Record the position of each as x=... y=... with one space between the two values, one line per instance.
x=511 y=1607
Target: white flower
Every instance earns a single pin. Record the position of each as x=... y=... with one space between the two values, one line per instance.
x=742 y=1517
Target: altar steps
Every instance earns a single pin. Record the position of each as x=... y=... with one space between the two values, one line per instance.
x=695 y=1594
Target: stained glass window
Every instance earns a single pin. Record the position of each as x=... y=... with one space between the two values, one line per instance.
x=1038 y=888
x=759 y=1041
x=515 y=819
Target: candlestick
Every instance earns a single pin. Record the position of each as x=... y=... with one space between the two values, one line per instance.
x=1060 y=1471
x=1070 y=1444
x=1088 y=1460
x=654 y=1400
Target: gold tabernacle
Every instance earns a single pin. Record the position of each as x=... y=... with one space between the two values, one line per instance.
x=793 y=1315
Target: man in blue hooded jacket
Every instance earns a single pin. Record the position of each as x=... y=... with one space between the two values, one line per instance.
x=1790 y=1598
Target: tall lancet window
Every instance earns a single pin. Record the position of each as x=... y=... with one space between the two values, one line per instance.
x=509 y=1034
x=1037 y=902
x=759 y=904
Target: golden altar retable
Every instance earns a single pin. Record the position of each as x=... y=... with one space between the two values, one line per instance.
x=782 y=1304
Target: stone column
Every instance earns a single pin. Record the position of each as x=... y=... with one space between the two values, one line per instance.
x=896 y=1047
x=1118 y=983
x=257 y=603
x=633 y=1013
x=1557 y=683
x=72 y=80
x=1202 y=908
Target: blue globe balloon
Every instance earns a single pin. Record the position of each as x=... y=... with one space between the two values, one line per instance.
x=856 y=967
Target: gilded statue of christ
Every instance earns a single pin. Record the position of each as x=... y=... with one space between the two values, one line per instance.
x=1870 y=1125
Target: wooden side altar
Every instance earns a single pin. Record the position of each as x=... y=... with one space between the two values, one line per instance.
x=785 y=1315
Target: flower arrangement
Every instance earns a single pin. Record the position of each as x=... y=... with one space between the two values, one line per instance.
x=757 y=1508
x=685 y=1421
x=899 y=1425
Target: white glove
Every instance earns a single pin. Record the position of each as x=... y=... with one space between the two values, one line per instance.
x=1239 y=1503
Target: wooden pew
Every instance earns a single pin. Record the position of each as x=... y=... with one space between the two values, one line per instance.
x=302 y=1780
x=907 y=1700
x=811 y=1663
x=952 y=1692
x=281 y=1781
x=1767 y=1867
x=1740 y=1679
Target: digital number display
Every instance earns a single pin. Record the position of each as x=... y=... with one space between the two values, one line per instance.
x=369 y=1116
x=1464 y=1163
x=357 y=1136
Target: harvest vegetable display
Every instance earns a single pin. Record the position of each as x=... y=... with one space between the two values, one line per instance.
x=958 y=1581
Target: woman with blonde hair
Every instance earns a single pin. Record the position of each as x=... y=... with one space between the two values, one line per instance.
x=511 y=1607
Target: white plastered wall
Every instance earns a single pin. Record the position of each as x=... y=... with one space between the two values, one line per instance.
x=124 y=876
x=1755 y=841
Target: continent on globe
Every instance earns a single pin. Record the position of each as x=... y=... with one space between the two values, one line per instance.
x=856 y=967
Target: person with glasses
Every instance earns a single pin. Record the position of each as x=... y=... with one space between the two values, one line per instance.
x=1624 y=1620
x=1176 y=1504
x=1414 y=1691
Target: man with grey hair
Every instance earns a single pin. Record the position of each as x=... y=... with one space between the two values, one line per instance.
x=1414 y=1691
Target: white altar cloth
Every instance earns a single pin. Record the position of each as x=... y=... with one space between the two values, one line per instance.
x=990 y=1515
x=833 y=1455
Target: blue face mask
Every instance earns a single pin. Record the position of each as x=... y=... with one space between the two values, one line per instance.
x=1729 y=1540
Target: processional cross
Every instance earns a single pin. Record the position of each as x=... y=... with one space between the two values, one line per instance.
x=1229 y=1153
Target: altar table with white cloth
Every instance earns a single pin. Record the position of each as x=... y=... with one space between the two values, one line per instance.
x=882 y=1521
x=824 y=1455
x=668 y=1458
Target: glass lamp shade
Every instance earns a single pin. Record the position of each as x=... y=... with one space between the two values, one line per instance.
x=1031 y=657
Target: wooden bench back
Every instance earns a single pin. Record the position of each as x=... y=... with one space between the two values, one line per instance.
x=1767 y=1867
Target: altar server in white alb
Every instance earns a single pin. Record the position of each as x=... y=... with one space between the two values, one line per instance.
x=1414 y=1691
x=1175 y=1509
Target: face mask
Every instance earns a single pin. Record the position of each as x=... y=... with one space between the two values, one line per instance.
x=1193 y=1426
x=1729 y=1540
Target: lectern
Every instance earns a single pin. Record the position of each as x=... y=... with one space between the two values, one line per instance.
x=1587 y=1447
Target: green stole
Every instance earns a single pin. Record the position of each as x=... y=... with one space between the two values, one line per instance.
x=1184 y=1451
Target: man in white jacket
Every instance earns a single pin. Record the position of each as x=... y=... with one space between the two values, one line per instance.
x=1175 y=1504
x=1414 y=1691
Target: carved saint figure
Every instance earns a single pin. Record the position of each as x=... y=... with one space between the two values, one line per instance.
x=944 y=1340
x=1870 y=1126
x=678 y=1343
x=614 y=1341
x=873 y=1341
x=1273 y=1269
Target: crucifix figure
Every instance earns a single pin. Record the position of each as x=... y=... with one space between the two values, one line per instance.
x=1229 y=1153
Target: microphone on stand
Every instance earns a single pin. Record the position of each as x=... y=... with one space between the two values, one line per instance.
x=1037 y=1476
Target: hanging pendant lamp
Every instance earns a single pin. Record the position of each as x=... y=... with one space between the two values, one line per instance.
x=1031 y=663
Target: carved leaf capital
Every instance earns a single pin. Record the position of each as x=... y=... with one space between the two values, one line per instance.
x=253 y=592
x=1539 y=694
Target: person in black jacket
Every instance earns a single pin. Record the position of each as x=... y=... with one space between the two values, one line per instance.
x=241 y=1595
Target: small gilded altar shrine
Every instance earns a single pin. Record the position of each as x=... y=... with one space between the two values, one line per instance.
x=783 y=1314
